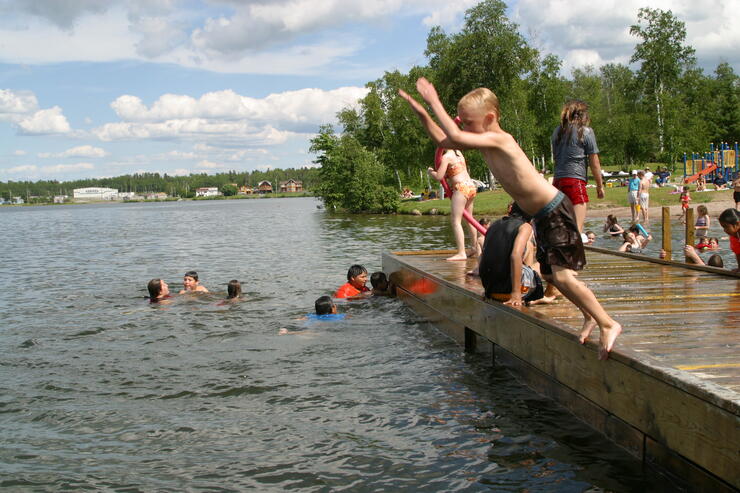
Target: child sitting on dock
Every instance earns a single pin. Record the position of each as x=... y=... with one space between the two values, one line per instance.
x=191 y=284
x=355 y=285
x=379 y=282
x=503 y=272
x=559 y=247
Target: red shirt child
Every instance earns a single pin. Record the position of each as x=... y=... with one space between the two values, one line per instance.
x=355 y=285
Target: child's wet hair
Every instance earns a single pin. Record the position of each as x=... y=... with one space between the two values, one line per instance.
x=234 y=288
x=191 y=273
x=324 y=305
x=378 y=280
x=715 y=261
x=355 y=271
x=484 y=221
x=729 y=216
x=154 y=287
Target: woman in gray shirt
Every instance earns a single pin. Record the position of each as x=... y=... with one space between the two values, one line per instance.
x=574 y=147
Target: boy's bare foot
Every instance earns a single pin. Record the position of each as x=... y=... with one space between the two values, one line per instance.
x=607 y=338
x=545 y=300
x=588 y=325
x=459 y=256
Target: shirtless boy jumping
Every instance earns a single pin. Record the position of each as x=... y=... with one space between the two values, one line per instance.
x=559 y=248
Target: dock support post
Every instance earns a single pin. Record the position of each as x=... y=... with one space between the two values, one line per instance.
x=690 y=232
x=667 y=233
x=471 y=341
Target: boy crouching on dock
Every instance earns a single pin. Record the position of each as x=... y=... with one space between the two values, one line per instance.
x=559 y=247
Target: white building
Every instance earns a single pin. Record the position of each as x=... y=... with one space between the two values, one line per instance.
x=207 y=192
x=94 y=193
x=60 y=199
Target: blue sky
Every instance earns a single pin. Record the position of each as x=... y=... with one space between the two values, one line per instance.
x=94 y=88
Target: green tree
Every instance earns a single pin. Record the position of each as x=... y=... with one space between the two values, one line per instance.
x=663 y=58
x=228 y=190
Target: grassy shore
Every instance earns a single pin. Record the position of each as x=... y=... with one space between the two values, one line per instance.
x=494 y=203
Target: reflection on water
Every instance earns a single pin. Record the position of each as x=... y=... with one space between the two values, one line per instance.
x=104 y=391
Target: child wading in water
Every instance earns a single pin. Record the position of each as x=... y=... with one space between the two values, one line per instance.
x=559 y=247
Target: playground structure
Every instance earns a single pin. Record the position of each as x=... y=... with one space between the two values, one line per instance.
x=723 y=162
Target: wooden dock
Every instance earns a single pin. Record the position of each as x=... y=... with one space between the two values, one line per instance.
x=669 y=393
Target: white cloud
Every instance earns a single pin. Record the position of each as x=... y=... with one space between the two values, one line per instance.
x=179 y=172
x=22 y=169
x=583 y=31
x=210 y=165
x=79 y=151
x=21 y=109
x=227 y=115
x=50 y=121
x=19 y=152
x=66 y=168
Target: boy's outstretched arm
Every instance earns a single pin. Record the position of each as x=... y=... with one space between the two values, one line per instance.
x=436 y=133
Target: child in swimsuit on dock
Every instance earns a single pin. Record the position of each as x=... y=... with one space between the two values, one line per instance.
x=453 y=169
x=355 y=285
x=560 y=250
x=191 y=284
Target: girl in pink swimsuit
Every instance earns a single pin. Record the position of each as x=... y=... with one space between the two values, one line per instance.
x=453 y=168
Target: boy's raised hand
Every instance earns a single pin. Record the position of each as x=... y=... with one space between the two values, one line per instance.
x=415 y=105
x=427 y=90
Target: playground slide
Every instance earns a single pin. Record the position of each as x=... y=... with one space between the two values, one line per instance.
x=705 y=171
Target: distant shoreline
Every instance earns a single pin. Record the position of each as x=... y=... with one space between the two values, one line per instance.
x=278 y=195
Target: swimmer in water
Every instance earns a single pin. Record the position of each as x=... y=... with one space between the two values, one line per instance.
x=158 y=290
x=379 y=282
x=191 y=284
x=234 y=289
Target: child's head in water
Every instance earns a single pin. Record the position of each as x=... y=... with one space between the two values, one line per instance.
x=379 y=282
x=715 y=261
x=357 y=276
x=234 y=289
x=190 y=280
x=325 y=306
x=157 y=289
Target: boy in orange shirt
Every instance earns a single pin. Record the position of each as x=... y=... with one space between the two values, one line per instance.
x=355 y=285
x=560 y=250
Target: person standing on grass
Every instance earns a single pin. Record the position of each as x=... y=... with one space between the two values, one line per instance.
x=575 y=149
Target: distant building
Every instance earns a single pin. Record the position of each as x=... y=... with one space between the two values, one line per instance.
x=207 y=192
x=264 y=187
x=129 y=196
x=18 y=200
x=245 y=190
x=60 y=199
x=95 y=193
x=291 y=186
x=156 y=196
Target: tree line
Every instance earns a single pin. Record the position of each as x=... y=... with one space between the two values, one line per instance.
x=666 y=105
x=176 y=186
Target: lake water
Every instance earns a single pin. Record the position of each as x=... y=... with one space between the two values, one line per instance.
x=100 y=390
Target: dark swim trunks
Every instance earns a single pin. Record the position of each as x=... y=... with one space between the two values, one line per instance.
x=736 y=196
x=558 y=239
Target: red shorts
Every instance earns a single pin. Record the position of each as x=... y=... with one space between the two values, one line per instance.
x=573 y=188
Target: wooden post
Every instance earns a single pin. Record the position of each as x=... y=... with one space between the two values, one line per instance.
x=690 y=232
x=667 y=244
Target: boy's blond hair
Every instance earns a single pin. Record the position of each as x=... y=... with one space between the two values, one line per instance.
x=481 y=98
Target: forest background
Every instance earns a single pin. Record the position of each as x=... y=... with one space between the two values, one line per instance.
x=652 y=111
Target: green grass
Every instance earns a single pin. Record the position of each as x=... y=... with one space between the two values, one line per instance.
x=494 y=203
